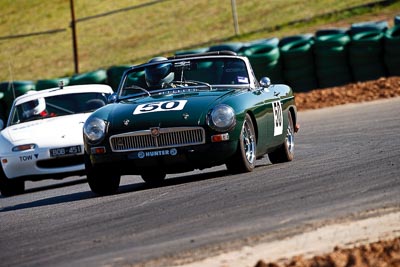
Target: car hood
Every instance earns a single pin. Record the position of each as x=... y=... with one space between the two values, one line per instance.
x=63 y=129
x=175 y=110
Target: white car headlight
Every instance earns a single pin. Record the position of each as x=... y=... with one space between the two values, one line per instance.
x=221 y=118
x=94 y=129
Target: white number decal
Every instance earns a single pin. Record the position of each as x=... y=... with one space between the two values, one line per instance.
x=278 y=118
x=160 y=106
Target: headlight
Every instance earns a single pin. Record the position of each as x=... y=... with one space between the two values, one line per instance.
x=221 y=118
x=94 y=129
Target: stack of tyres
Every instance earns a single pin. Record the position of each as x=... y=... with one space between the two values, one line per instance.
x=298 y=62
x=392 y=50
x=381 y=25
x=3 y=112
x=114 y=75
x=137 y=78
x=264 y=57
x=397 y=20
x=10 y=91
x=50 y=83
x=191 y=51
x=366 y=56
x=3 y=105
x=331 y=61
x=366 y=50
x=232 y=46
x=93 y=77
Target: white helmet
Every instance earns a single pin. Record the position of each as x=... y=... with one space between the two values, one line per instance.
x=33 y=107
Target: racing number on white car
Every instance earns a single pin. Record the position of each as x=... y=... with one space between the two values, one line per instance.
x=160 y=106
x=278 y=118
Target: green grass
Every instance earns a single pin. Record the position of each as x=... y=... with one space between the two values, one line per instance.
x=136 y=35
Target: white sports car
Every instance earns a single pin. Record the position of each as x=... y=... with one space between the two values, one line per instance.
x=43 y=137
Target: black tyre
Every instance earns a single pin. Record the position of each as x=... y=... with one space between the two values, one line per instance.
x=153 y=178
x=397 y=20
x=330 y=31
x=245 y=157
x=96 y=77
x=232 y=46
x=114 y=75
x=102 y=180
x=359 y=27
x=285 y=152
x=50 y=83
x=10 y=187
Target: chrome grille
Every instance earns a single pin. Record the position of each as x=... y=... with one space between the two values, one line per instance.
x=167 y=137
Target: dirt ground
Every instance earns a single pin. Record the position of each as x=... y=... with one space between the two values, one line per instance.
x=352 y=93
x=378 y=254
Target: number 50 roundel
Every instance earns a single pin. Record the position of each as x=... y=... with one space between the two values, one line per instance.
x=160 y=106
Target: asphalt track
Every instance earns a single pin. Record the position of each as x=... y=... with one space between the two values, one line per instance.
x=347 y=163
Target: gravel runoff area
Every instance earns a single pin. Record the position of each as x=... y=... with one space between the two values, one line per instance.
x=372 y=241
x=350 y=93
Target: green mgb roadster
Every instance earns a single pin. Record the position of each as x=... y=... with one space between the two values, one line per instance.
x=187 y=112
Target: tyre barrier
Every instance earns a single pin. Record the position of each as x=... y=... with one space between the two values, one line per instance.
x=12 y=90
x=298 y=62
x=3 y=111
x=392 y=50
x=297 y=37
x=50 y=83
x=331 y=61
x=137 y=78
x=274 y=41
x=366 y=55
x=367 y=26
x=305 y=61
x=233 y=46
x=330 y=31
x=114 y=74
x=93 y=77
x=191 y=51
x=265 y=60
x=397 y=20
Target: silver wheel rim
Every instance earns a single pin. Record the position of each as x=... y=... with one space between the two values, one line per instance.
x=290 y=136
x=249 y=143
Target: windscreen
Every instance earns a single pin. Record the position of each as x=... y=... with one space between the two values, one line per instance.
x=59 y=105
x=185 y=73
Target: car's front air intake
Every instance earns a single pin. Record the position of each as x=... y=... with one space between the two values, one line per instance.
x=156 y=138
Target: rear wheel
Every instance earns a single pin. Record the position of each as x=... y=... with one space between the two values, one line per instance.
x=286 y=151
x=245 y=157
x=102 y=180
x=10 y=187
x=153 y=178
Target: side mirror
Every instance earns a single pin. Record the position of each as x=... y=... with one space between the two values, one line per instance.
x=1 y=124
x=265 y=82
x=112 y=98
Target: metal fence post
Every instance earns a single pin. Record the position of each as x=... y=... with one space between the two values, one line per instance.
x=74 y=40
x=235 y=19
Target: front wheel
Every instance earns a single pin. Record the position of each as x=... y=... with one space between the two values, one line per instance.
x=285 y=152
x=153 y=178
x=10 y=187
x=245 y=157
x=102 y=180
